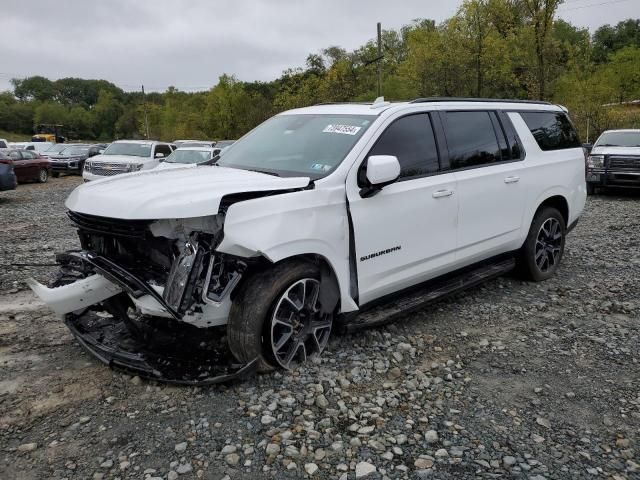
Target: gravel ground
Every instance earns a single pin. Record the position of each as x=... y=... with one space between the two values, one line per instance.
x=511 y=380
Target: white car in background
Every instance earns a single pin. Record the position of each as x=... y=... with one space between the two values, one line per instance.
x=126 y=156
x=186 y=157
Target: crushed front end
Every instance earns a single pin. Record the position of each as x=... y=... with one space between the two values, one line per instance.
x=150 y=296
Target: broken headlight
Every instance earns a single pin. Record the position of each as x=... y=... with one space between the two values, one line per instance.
x=184 y=271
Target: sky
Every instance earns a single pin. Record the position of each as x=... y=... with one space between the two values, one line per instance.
x=190 y=43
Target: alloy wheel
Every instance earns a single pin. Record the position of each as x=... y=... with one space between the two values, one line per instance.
x=299 y=330
x=548 y=245
x=43 y=175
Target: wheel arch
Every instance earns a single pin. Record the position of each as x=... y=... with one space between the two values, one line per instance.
x=560 y=203
x=329 y=281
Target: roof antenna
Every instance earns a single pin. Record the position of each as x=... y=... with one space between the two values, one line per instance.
x=379 y=102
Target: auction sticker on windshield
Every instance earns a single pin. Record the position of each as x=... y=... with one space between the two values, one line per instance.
x=343 y=129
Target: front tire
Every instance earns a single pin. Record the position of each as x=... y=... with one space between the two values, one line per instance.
x=277 y=318
x=542 y=251
x=55 y=174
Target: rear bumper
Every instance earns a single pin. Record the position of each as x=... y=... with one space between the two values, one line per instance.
x=173 y=359
x=614 y=178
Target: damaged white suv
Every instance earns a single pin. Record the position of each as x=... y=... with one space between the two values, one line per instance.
x=330 y=216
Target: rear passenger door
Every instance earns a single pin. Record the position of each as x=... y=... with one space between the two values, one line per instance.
x=406 y=233
x=485 y=155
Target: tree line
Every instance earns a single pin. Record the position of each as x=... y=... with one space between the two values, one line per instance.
x=489 y=48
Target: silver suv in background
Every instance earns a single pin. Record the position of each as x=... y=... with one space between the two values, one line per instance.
x=126 y=156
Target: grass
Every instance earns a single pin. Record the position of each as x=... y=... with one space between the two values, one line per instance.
x=15 y=137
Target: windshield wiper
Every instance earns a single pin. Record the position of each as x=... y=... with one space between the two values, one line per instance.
x=262 y=171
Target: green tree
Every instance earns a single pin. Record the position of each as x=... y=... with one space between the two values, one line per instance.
x=51 y=112
x=608 y=39
x=541 y=13
x=107 y=111
x=33 y=88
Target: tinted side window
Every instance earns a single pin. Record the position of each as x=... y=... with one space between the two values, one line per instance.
x=515 y=149
x=552 y=130
x=410 y=139
x=166 y=149
x=471 y=139
x=3 y=144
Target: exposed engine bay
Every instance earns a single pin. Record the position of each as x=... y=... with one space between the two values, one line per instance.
x=169 y=268
x=139 y=291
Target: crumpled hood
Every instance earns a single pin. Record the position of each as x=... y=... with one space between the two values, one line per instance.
x=171 y=193
x=615 y=151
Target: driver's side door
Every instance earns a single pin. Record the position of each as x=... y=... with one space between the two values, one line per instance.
x=406 y=233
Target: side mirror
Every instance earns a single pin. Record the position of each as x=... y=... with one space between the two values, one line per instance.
x=381 y=170
x=587 y=147
x=159 y=155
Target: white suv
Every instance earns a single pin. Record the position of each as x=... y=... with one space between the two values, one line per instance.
x=126 y=156
x=332 y=215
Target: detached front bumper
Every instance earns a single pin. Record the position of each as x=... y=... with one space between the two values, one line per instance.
x=164 y=355
x=96 y=305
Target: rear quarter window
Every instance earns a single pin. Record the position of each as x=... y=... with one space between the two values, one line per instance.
x=552 y=130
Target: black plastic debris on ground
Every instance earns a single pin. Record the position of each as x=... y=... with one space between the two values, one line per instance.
x=158 y=349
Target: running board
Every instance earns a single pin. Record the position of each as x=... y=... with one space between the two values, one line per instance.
x=428 y=293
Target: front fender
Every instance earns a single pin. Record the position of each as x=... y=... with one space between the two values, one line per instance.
x=292 y=224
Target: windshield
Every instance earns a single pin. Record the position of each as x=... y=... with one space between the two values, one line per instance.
x=75 y=151
x=189 y=156
x=130 y=149
x=42 y=147
x=57 y=148
x=619 y=139
x=294 y=145
x=191 y=143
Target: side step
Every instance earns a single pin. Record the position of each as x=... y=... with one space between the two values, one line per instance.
x=429 y=292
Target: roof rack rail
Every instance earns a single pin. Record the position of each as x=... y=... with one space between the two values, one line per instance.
x=463 y=99
x=342 y=103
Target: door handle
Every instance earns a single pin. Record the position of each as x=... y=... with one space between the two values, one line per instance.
x=442 y=193
x=512 y=179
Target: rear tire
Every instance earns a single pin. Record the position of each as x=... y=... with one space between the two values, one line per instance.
x=542 y=251
x=275 y=317
x=43 y=176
